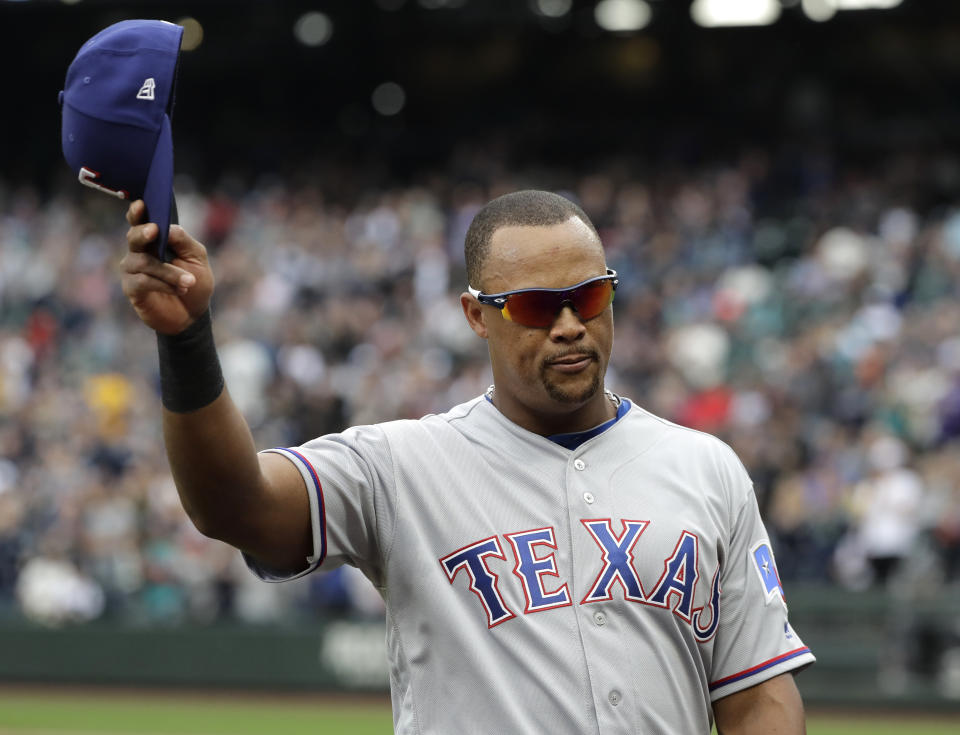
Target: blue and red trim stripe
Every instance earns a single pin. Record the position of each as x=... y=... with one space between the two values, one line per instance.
x=759 y=667
x=322 y=508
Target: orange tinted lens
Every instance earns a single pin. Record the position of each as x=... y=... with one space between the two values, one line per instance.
x=533 y=308
x=540 y=308
x=593 y=298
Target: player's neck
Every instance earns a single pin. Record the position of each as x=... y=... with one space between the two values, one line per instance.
x=601 y=407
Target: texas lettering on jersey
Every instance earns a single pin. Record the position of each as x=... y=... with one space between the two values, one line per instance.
x=536 y=568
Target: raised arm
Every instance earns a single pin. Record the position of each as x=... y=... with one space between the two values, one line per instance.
x=257 y=503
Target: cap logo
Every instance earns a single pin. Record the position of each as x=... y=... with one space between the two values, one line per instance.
x=88 y=177
x=146 y=90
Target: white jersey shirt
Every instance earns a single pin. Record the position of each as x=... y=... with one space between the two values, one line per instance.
x=618 y=587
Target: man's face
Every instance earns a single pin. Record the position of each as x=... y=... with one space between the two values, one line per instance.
x=550 y=377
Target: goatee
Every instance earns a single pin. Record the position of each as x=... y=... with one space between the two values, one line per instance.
x=563 y=395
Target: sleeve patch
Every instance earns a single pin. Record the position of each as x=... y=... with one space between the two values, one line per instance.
x=767 y=570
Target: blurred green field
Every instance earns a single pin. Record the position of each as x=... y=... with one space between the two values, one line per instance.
x=38 y=712
x=137 y=713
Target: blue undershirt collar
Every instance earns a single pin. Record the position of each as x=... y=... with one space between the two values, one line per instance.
x=576 y=438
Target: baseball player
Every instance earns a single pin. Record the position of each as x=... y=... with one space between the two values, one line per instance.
x=554 y=558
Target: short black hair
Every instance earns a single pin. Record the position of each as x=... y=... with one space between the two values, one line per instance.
x=526 y=208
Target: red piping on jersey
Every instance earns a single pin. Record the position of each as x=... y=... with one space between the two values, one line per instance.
x=323 y=510
x=759 y=667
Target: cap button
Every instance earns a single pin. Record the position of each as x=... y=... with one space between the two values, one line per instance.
x=86 y=80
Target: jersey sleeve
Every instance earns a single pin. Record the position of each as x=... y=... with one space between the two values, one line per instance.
x=755 y=641
x=348 y=478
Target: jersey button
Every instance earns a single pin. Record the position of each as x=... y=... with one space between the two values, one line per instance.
x=579 y=464
x=615 y=698
x=599 y=618
x=588 y=497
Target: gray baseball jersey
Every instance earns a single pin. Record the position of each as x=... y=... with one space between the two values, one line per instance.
x=616 y=587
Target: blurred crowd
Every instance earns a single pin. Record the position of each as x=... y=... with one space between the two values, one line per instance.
x=804 y=310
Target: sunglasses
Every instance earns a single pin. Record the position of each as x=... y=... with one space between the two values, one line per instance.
x=538 y=307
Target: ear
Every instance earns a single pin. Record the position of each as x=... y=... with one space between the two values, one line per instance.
x=474 y=314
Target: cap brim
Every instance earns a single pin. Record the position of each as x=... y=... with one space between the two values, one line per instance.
x=158 y=189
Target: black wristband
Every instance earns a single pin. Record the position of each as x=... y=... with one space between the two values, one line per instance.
x=190 y=375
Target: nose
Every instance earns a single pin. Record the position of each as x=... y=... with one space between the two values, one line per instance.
x=567 y=327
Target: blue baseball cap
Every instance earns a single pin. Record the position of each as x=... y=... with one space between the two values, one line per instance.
x=116 y=107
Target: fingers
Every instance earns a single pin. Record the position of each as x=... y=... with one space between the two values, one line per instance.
x=184 y=246
x=137 y=286
x=136 y=211
x=141 y=264
x=141 y=237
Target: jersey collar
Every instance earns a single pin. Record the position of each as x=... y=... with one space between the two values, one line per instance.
x=574 y=439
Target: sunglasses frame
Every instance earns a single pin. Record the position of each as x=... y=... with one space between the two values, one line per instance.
x=499 y=300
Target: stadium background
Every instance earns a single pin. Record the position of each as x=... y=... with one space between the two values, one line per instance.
x=781 y=203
